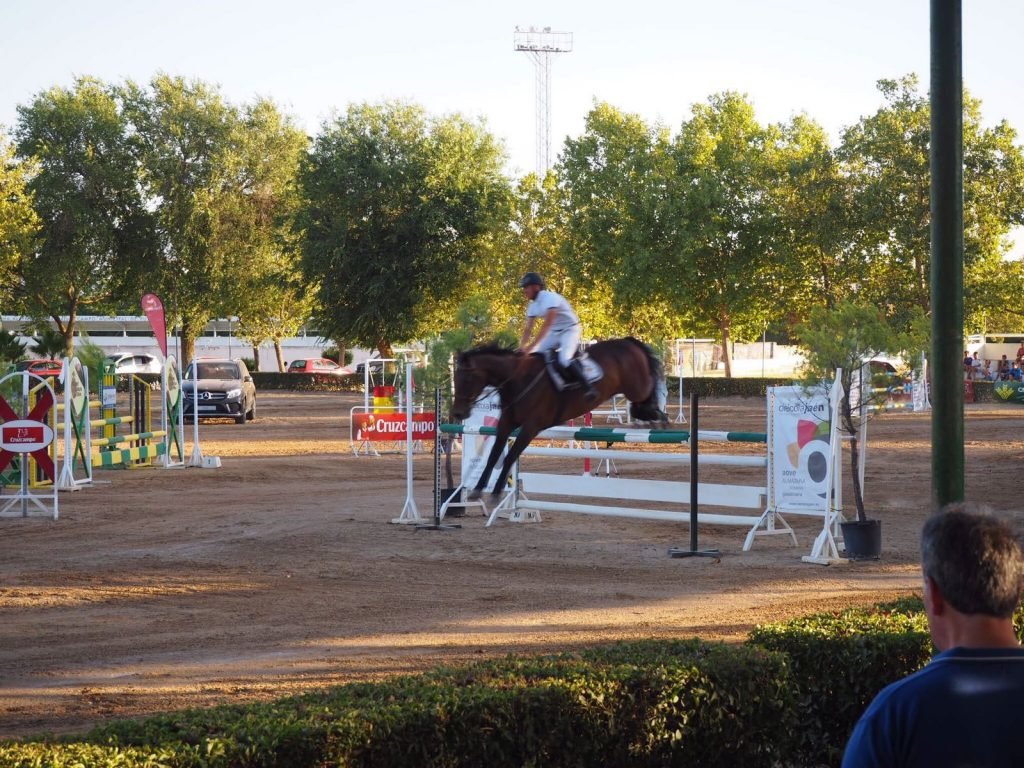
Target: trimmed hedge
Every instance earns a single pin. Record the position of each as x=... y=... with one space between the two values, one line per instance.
x=839 y=663
x=311 y=382
x=789 y=696
x=644 y=704
x=704 y=387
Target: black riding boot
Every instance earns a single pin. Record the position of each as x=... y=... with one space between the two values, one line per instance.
x=576 y=367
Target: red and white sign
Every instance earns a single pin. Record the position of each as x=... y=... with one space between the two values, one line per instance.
x=154 y=310
x=391 y=426
x=24 y=436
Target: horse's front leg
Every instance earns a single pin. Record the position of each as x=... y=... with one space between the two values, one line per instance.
x=523 y=439
x=500 y=441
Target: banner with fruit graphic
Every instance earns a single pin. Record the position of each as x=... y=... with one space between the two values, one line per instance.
x=476 y=448
x=799 y=448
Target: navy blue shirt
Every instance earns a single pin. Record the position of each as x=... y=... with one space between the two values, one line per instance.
x=966 y=708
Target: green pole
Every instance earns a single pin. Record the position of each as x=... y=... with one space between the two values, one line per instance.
x=947 y=252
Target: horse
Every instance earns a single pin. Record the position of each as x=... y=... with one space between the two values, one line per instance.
x=530 y=402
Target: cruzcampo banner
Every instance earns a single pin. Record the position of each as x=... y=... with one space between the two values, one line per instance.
x=799 y=426
x=1009 y=391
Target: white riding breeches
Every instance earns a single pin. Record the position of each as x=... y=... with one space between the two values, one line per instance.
x=567 y=342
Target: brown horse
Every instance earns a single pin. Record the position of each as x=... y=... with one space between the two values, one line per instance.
x=531 y=403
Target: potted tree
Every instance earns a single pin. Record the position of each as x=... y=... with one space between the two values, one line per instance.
x=843 y=337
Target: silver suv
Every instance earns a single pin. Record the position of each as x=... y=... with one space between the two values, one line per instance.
x=224 y=389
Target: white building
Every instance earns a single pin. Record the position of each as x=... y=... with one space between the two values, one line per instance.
x=130 y=333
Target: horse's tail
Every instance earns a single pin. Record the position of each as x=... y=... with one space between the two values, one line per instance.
x=653 y=408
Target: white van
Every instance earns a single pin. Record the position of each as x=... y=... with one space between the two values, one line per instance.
x=992 y=346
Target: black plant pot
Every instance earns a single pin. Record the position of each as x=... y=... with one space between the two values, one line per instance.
x=863 y=540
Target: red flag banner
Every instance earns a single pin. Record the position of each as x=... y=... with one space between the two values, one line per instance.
x=154 y=310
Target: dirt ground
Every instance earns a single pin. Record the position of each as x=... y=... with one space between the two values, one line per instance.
x=280 y=571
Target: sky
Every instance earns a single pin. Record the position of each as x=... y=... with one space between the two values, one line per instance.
x=655 y=59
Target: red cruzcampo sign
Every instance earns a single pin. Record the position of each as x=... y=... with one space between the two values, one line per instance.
x=391 y=426
x=25 y=436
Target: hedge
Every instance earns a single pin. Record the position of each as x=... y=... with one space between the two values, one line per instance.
x=644 y=704
x=789 y=696
x=704 y=387
x=839 y=663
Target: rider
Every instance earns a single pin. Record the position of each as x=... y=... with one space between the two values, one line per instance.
x=561 y=328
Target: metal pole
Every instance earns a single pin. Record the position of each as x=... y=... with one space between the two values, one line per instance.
x=947 y=251
x=694 y=490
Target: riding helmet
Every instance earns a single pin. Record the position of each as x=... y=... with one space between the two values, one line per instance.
x=532 y=278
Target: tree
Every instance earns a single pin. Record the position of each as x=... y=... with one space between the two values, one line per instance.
x=886 y=158
x=843 y=337
x=398 y=207
x=614 y=185
x=96 y=237
x=19 y=224
x=267 y=295
x=722 y=265
x=815 y=240
x=186 y=140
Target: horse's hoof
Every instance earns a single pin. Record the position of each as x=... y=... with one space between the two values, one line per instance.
x=473 y=495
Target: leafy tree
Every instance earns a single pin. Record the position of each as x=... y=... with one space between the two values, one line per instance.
x=19 y=223
x=11 y=350
x=614 y=187
x=814 y=239
x=49 y=342
x=96 y=237
x=843 y=337
x=886 y=158
x=723 y=266
x=399 y=206
x=186 y=139
x=267 y=293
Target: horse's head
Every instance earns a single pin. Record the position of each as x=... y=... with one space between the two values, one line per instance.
x=474 y=370
x=469 y=383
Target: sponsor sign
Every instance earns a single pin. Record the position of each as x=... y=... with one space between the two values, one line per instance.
x=24 y=436
x=391 y=426
x=476 y=448
x=1009 y=391
x=799 y=432
x=154 y=311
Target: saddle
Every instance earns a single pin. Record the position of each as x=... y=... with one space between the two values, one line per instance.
x=563 y=379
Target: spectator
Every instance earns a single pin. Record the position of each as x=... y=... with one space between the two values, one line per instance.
x=976 y=363
x=964 y=708
x=968 y=366
x=1004 y=369
x=1015 y=372
x=1020 y=353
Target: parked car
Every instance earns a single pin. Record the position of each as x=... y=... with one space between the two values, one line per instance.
x=130 y=362
x=318 y=365
x=222 y=387
x=42 y=368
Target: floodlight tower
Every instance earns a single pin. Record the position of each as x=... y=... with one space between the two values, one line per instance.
x=541 y=44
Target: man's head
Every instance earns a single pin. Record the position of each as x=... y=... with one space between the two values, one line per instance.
x=532 y=284
x=975 y=560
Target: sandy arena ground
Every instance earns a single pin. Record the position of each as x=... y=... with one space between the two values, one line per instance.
x=280 y=572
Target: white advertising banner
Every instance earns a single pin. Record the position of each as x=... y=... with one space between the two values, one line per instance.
x=476 y=448
x=799 y=428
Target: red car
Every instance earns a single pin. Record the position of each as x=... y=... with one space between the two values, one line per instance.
x=318 y=365
x=42 y=368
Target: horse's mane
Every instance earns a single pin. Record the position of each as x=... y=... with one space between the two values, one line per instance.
x=493 y=348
